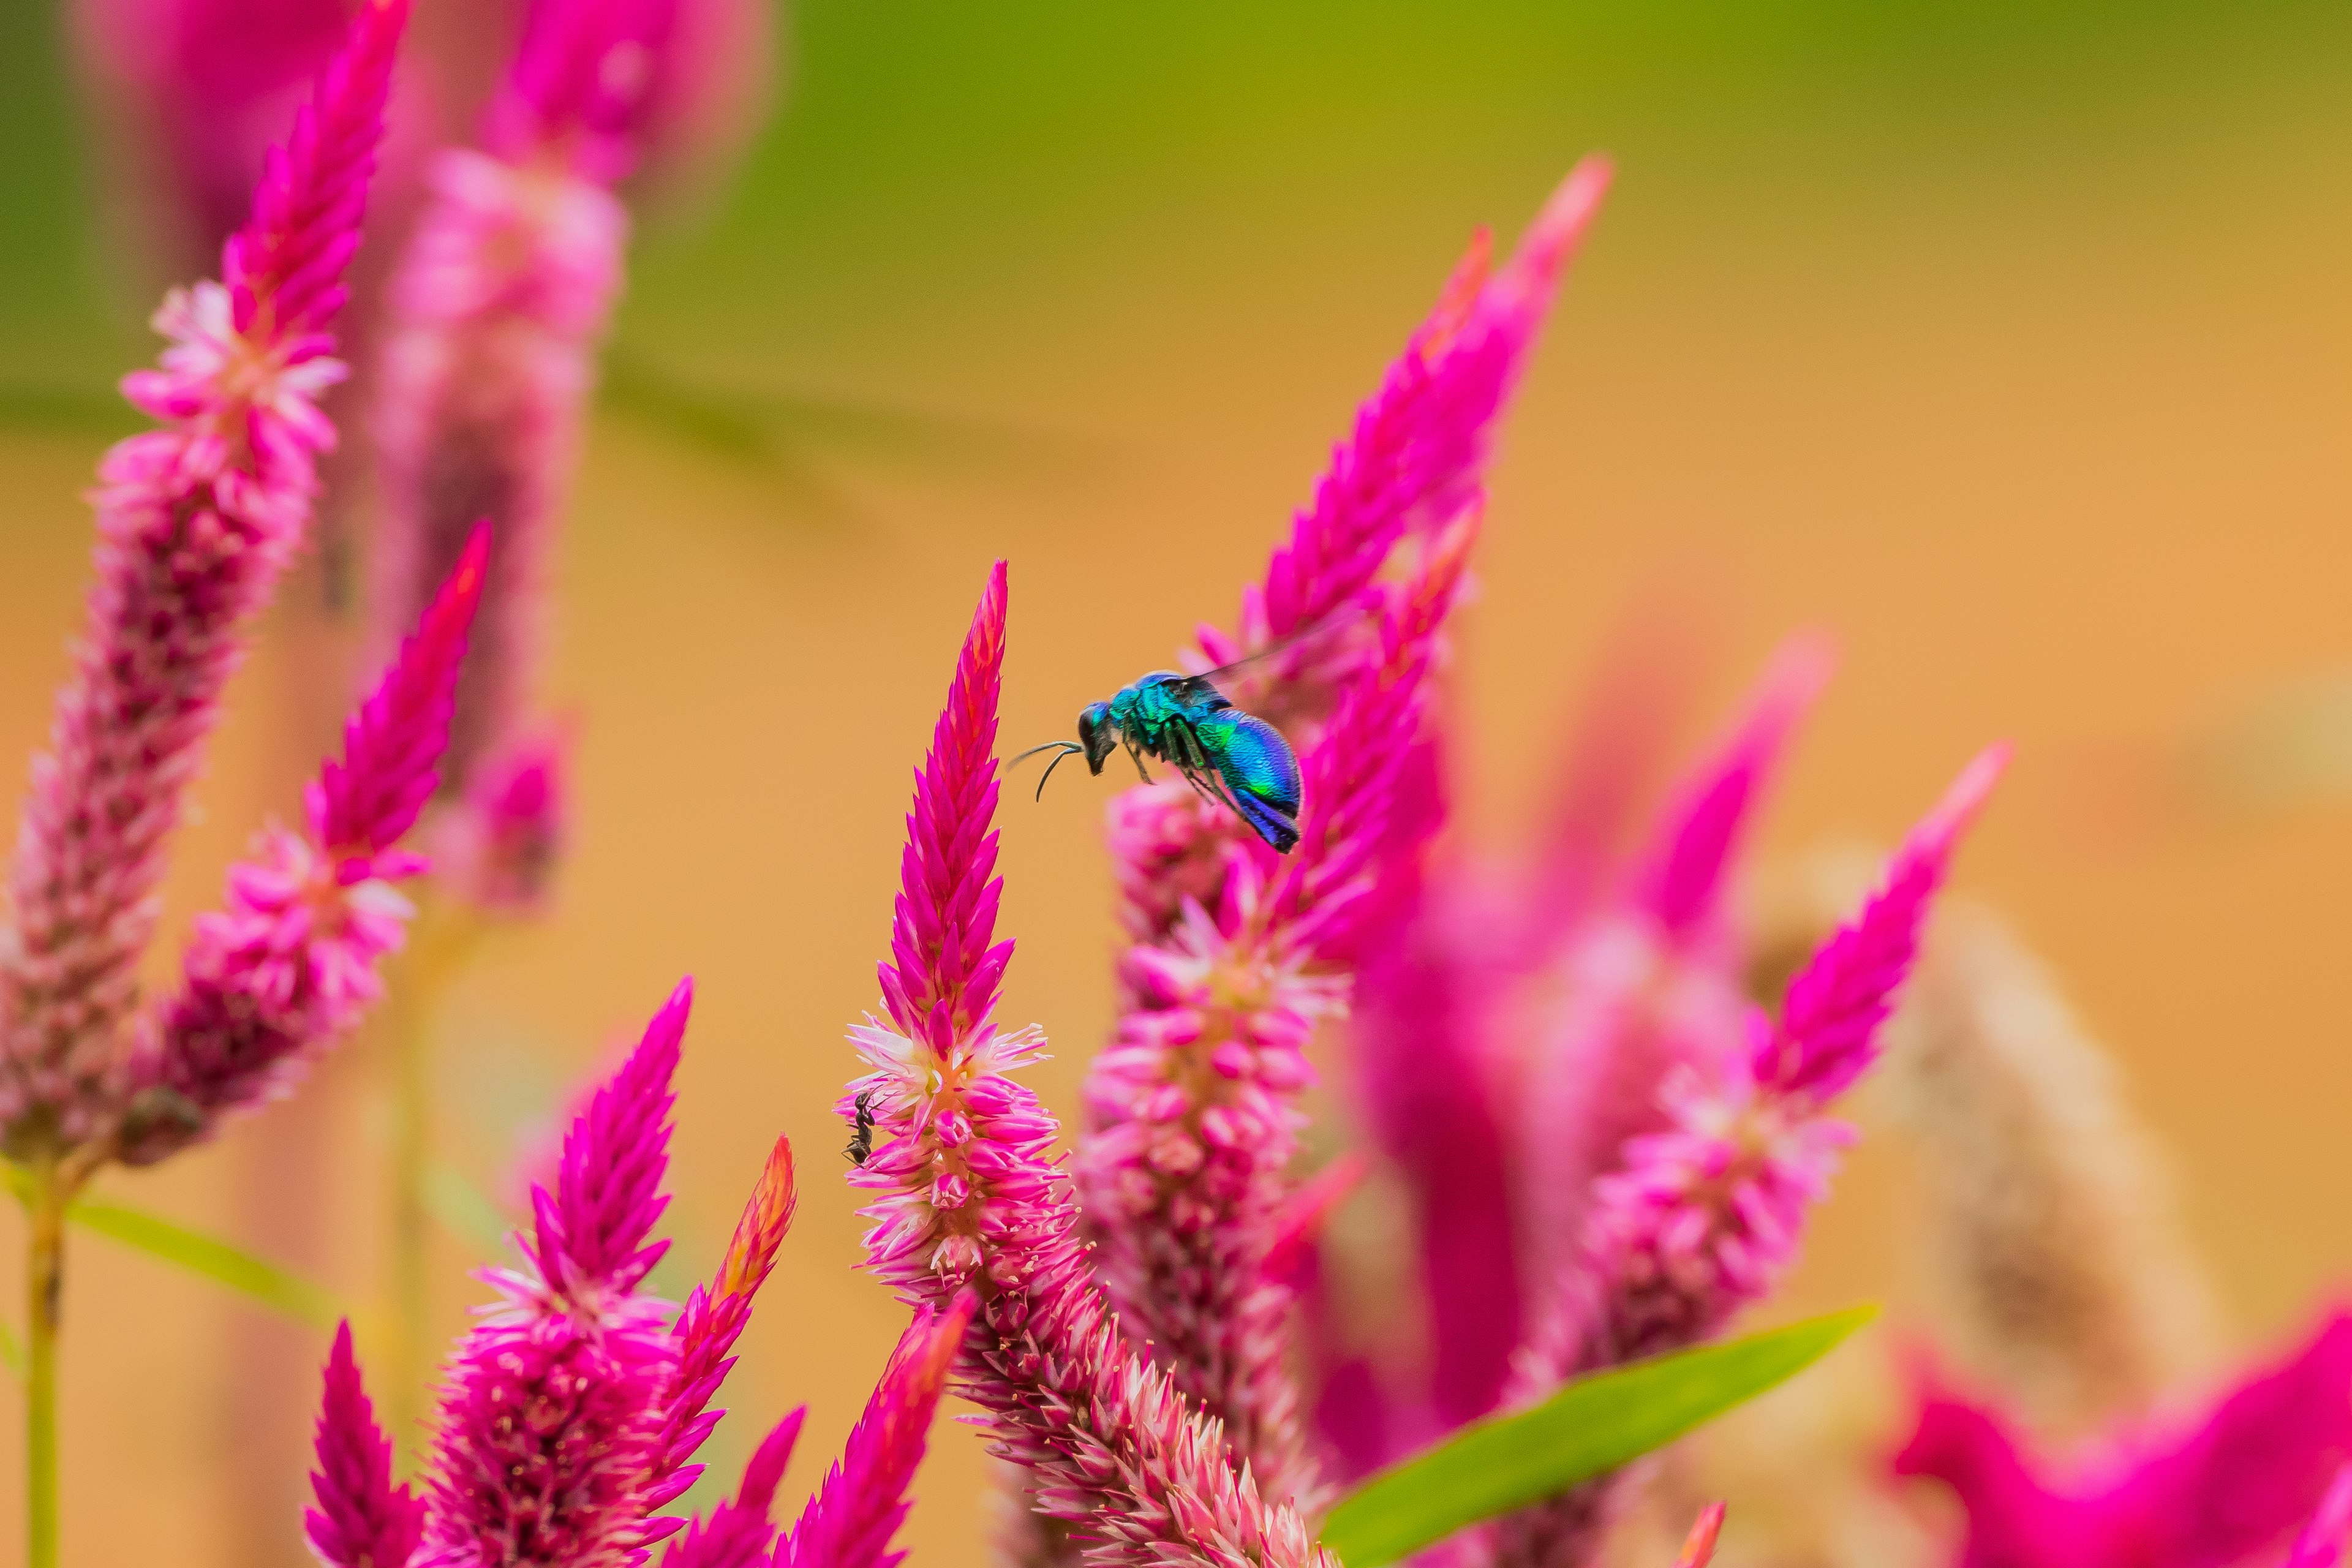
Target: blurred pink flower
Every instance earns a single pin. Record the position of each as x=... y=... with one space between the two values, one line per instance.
x=1708 y=1211
x=499 y=845
x=1699 y=1550
x=196 y=522
x=2320 y=1544
x=967 y=1193
x=289 y=966
x=2215 y=1492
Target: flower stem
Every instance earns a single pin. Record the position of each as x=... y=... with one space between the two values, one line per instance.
x=443 y=937
x=45 y=1209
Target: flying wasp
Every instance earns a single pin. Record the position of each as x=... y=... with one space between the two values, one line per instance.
x=1229 y=756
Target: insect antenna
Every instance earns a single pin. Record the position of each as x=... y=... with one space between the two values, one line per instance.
x=1059 y=748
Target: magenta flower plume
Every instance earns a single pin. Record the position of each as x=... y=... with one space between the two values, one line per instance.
x=555 y=1408
x=1654 y=979
x=862 y=1500
x=1419 y=446
x=362 y=1519
x=497 y=847
x=196 y=522
x=2320 y=1543
x=739 y=1534
x=967 y=1193
x=1192 y=1111
x=714 y=1319
x=289 y=967
x=498 y=307
x=2218 y=1491
x=1707 y=1211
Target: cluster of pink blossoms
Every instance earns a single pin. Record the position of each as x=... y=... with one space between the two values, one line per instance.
x=1135 y=1347
x=571 y=1415
x=197 y=521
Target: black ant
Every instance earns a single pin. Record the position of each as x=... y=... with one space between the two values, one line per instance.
x=861 y=1141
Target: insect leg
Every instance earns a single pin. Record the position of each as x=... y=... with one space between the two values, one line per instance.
x=1137 y=753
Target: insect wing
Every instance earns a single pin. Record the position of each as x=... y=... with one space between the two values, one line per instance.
x=1261 y=773
x=1190 y=688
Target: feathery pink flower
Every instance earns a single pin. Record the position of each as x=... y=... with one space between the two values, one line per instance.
x=1653 y=977
x=1707 y=1211
x=739 y=1533
x=553 y=1415
x=967 y=1193
x=499 y=308
x=2321 y=1543
x=1192 y=1110
x=362 y=1519
x=2212 y=1494
x=499 y=845
x=862 y=1500
x=196 y=522
x=289 y=967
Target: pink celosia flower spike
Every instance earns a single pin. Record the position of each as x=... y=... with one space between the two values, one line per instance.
x=1707 y=1211
x=2321 y=1544
x=739 y=1534
x=196 y=522
x=2213 y=1492
x=289 y=966
x=1654 y=978
x=862 y=1500
x=554 y=1410
x=1192 y=1111
x=1698 y=1550
x=498 y=307
x=967 y=1193
x=714 y=1319
x=362 y=1519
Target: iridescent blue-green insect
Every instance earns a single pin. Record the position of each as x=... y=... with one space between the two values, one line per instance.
x=1230 y=756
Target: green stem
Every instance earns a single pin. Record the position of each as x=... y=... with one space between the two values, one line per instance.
x=443 y=936
x=45 y=1210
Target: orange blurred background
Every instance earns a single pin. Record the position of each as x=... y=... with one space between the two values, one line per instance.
x=2015 y=351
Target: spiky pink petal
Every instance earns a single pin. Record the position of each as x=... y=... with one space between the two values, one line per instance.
x=2209 y=1494
x=289 y=967
x=1708 y=1213
x=196 y=522
x=362 y=1519
x=739 y=1534
x=714 y=1319
x=555 y=1409
x=1831 y=1015
x=863 y=1499
x=1698 y=1550
x=967 y=1192
x=392 y=746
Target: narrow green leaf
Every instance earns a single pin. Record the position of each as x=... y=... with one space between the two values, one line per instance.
x=12 y=1352
x=1587 y=1429
x=216 y=1259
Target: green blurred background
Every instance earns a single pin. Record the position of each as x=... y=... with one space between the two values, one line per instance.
x=2009 y=342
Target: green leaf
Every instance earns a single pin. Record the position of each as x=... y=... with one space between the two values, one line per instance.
x=1589 y=1429
x=216 y=1259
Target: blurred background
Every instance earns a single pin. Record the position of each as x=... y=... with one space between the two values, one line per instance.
x=2011 y=345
